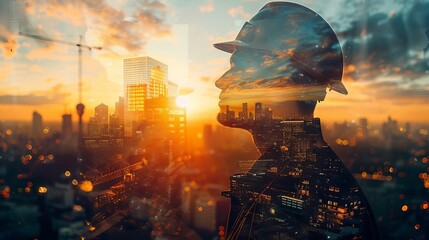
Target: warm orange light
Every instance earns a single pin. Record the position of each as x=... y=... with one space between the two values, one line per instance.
x=182 y=101
x=364 y=174
x=86 y=186
x=200 y=209
x=5 y=192
x=43 y=190
x=27 y=189
x=342 y=210
x=46 y=130
x=67 y=173
x=9 y=132
x=425 y=205
x=404 y=208
x=78 y=208
x=74 y=182
x=425 y=160
x=417 y=226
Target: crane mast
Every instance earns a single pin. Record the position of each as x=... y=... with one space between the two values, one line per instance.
x=80 y=107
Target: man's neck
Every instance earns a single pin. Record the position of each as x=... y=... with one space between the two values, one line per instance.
x=284 y=132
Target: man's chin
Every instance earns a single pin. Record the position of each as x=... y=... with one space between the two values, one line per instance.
x=222 y=119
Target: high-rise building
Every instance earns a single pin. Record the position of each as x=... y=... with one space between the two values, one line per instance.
x=144 y=78
x=116 y=120
x=37 y=125
x=230 y=115
x=119 y=110
x=268 y=115
x=98 y=125
x=102 y=116
x=259 y=111
x=363 y=125
x=67 y=125
x=245 y=112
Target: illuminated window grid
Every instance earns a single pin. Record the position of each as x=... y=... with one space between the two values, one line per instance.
x=292 y=202
x=136 y=94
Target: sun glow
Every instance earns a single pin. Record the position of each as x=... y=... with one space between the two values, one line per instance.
x=182 y=101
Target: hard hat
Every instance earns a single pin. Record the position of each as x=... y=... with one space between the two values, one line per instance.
x=300 y=34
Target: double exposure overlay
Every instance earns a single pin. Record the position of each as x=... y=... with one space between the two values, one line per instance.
x=286 y=57
x=210 y=119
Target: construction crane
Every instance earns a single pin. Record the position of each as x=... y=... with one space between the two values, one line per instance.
x=79 y=107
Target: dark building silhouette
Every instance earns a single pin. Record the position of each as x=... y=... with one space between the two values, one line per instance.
x=119 y=110
x=259 y=112
x=245 y=112
x=298 y=188
x=116 y=120
x=66 y=127
x=37 y=125
x=102 y=117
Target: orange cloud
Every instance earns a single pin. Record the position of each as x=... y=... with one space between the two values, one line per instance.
x=35 y=69
x=5 y=70
x=239 y=12
x=208 y=7
x=8 y=43
x=109 y=25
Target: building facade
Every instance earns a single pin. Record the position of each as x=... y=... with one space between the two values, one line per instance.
x=298 y=189
x=144 y=78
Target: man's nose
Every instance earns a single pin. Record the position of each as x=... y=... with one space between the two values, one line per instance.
x=223 y=81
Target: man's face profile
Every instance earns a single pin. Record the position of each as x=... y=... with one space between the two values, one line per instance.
x=286 y=53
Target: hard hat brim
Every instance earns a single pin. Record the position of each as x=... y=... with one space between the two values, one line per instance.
x=338 y=86
x=230 y=46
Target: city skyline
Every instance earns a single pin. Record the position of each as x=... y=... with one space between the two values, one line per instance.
x=380 y=90
x=379 y=171
x=181 y=141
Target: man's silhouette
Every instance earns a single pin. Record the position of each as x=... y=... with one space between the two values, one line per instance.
x=282 y=62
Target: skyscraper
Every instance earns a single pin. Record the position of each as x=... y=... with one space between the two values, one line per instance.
x=119 y=110
x=102 y=116
x=245 y=112
x=259 y=111
x=98 y=125
x=144 y=78
x=37 y=125
x=67 y=125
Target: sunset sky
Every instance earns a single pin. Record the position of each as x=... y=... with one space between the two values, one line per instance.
x=385 y=70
